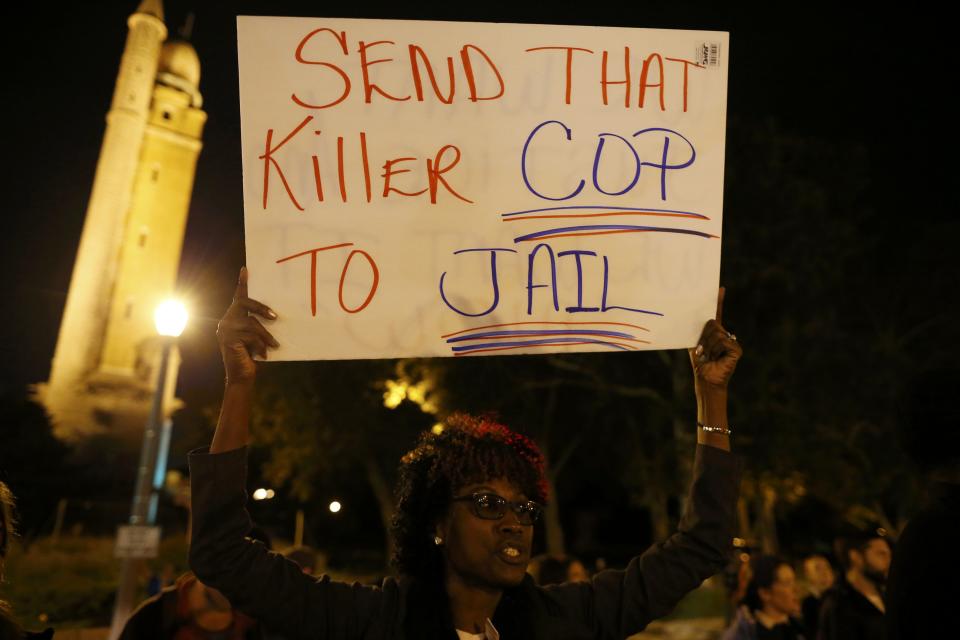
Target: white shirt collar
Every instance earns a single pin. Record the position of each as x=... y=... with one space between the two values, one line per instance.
x=489 y=633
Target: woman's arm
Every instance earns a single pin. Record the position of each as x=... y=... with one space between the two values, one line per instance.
x=624 y=602
x=714 y=360
x=620 y=603
x=241 y=336
x=263 y=584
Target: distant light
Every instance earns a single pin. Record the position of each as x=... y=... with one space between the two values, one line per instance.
x=270 y=493
x=260 y=494
x=399 y=390
x=437 y=428
x=170 y=318
x=417 y=393
x=334 y=507
x=173 y=479
x=739 y=542
x=881 y=532
x=744 y=557
x=395 y=394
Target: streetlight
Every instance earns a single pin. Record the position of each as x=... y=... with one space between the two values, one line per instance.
x=170 y=319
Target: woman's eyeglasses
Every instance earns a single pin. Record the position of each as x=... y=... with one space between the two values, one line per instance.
x=490 y=506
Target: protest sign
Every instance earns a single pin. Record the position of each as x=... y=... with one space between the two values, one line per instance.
x=137 y=541
x=437 y=188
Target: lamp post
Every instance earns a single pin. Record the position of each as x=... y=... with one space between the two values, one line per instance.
x=171 y=319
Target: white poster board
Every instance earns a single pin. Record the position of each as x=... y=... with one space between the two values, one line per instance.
x=438 y=188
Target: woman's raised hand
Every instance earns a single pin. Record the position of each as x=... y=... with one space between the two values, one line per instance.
x=715 y=356
x=242 y=336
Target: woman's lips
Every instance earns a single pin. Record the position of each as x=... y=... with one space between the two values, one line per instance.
x=512 y=554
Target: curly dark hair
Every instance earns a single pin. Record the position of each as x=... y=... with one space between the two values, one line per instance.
x=468 y=450
x=7 y=531
x=7 y=522
x=764 y=569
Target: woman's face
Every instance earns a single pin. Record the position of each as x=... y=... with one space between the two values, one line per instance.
x=819 y=573
x=781 y=597
x=486 y=553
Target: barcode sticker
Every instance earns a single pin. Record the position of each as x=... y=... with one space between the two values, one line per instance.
x=708 y=54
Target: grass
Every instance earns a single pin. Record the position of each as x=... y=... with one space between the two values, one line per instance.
x=73 y=583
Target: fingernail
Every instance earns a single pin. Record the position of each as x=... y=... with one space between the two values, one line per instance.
x=699 y=349
x=271 y=314
x=274 y=344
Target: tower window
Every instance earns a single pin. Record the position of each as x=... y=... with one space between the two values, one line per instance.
x=128 y=310
x=166 y=115
x=142 y=240
x=155 y=174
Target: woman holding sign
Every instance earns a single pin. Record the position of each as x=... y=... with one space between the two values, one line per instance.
x=468 y=499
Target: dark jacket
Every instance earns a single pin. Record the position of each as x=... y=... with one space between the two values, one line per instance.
x=10 y=630
x=615 y=604
x=746 y=627
x=920 y=602
x=811 y=614
x=162 y=616
x=846 y=614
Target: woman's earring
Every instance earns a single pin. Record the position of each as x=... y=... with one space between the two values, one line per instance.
x=437 y=540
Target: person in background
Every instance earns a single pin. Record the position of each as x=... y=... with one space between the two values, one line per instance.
x=161 y=579
x=305 y=557
x=558 y=569
x=771 y=608
x=9 y=629
x=189 y=610
x=819 y=576
x=920 y=603
x=853 y=608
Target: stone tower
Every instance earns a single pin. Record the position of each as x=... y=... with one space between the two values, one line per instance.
x=105 y=366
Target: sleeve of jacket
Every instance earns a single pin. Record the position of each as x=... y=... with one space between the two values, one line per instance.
x=147 y=618
x=837 y=621
x=263 y=584
x=621 y=603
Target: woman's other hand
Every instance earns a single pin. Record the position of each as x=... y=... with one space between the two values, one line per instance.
x=242 y=336
x=715 y=357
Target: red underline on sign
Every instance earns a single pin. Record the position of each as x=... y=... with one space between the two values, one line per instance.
x=529 y=346
x=516 y=324
x=601 y=207
x=606 y=214
x=596 y=233
x=535 y=334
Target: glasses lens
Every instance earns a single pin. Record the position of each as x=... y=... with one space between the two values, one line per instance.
x=528 y=512
x=489 y=506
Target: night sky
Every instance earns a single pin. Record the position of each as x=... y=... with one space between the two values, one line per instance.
x=871 y=80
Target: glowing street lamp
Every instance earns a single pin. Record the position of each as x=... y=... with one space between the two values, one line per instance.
x=170 y=319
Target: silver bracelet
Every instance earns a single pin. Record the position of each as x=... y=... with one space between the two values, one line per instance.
x=724 y=431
